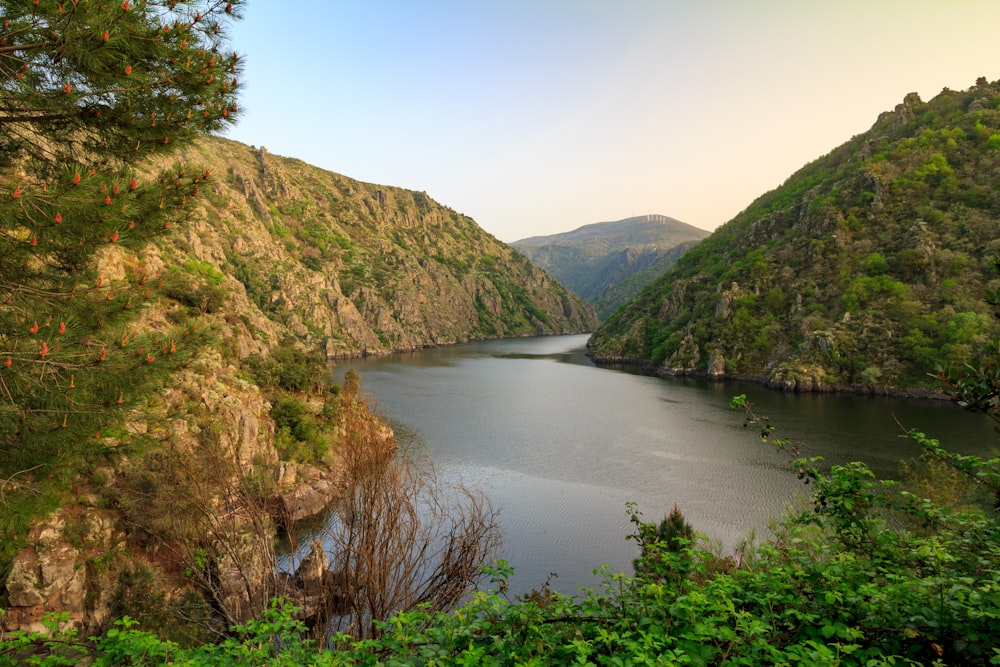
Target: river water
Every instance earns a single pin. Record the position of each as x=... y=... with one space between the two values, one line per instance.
x=560 y=446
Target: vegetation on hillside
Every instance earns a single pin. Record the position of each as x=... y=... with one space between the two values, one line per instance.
x=619 y=278
x=359 y=268
x=867 y=267
x=608 y=263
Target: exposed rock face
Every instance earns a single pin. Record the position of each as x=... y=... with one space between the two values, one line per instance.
x=315 y=589
x=52 y=575
x=716 y=364
x=71 y=560
x=360 y=268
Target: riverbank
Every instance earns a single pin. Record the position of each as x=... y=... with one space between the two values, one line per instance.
x=789 y=385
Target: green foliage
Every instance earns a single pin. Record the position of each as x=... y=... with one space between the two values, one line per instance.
x=200 y=291
x=84 y=109
x=300 y=435
x=875 y=264
x=864 y=292
x=290 y=413
x=867 y=574
x=289 y=367
x=258 y=285
x=665 y=548
x=205 y=271
x=185 y=620
x=290 y=375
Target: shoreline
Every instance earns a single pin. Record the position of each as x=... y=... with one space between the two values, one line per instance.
x=784 y=386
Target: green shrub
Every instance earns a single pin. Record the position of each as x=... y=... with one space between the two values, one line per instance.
x=196 y=293
x=184 y=618
x=290 y=368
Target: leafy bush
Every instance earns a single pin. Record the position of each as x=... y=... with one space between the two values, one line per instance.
x=197 y=293
x=286 y=375
x=184 y=619
x=299 y=434
x=290 y=368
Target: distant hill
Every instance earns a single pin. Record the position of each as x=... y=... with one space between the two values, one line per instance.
x=607 y=263
x=866 y=268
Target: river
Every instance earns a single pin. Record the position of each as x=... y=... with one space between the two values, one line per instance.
x=560 y=446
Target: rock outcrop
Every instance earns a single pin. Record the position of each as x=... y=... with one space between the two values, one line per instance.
x=62 y=570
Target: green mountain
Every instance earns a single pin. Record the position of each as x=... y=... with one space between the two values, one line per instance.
x=866 y=268
x=608 y=263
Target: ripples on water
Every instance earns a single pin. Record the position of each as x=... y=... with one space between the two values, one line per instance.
x=561 y=446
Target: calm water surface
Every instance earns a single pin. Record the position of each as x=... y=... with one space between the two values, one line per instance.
x=560 y=446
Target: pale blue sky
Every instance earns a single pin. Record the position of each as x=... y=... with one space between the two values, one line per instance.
x=539 y=116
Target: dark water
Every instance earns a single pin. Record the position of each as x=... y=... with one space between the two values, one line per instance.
x=561 y=446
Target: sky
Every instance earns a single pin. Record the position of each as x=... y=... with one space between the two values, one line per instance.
x=536 y=117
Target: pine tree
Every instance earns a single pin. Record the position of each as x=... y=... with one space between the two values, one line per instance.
x=92 y=93
x=665 y=547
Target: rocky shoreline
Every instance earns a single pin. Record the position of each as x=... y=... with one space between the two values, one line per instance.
x=803 y=386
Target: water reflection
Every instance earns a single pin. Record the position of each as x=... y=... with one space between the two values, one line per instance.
x=561 y=446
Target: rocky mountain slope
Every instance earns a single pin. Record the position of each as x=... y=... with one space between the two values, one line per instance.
x=608 y=263
x=277 y=267
x=866 y=268
x=363 y=268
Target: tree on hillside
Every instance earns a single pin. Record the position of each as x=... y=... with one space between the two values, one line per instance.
x=91 y=94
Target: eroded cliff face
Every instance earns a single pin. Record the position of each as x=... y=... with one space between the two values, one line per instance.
x=194 y=502
x=361 y=268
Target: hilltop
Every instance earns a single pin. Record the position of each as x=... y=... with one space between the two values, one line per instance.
x=608 y=263
x=865 y=269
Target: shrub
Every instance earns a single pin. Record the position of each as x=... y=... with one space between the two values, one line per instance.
x=198 y=294
x=290 y=368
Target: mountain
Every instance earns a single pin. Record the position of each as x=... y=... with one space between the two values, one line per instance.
x=865 y=269
x=607 y=263
x=363 y=268
x=272 y=268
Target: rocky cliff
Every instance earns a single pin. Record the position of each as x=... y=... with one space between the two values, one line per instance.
x=362 y=268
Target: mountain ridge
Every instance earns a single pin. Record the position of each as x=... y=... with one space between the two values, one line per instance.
x=864 y=270
x=609 y=262
x=363 y=268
